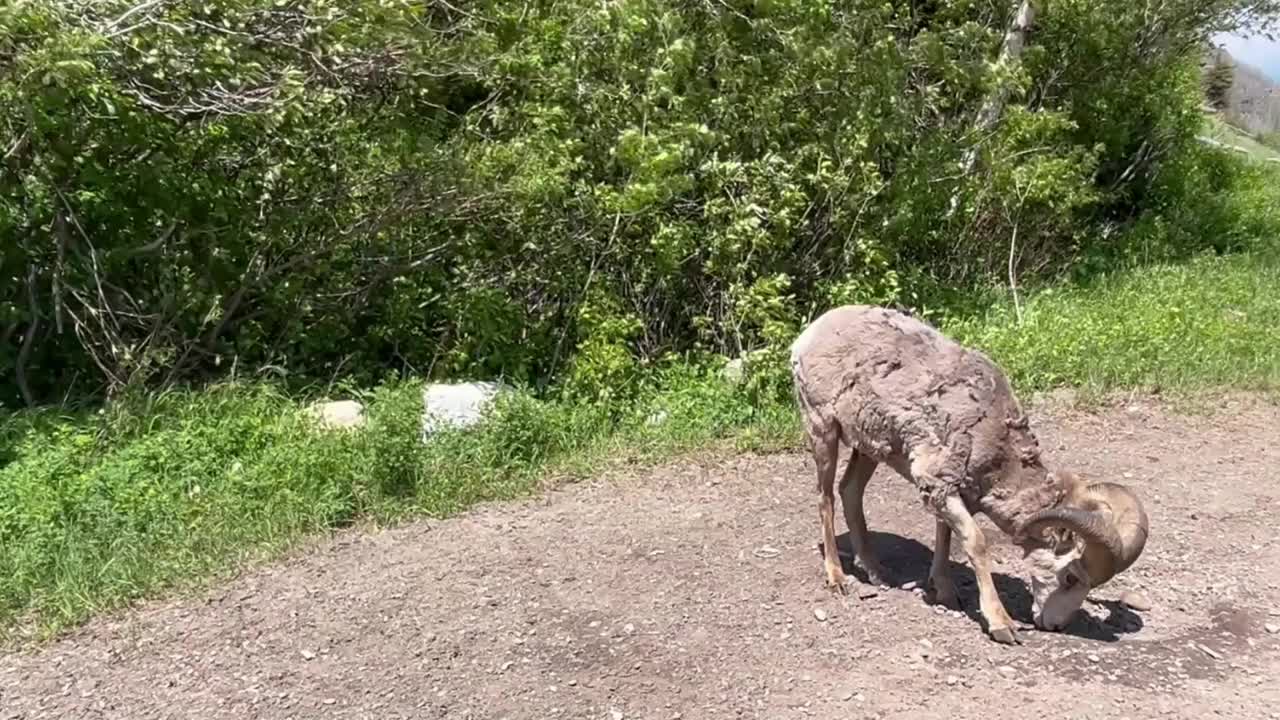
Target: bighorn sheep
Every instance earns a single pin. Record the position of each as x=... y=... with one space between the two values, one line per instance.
x=943 y=416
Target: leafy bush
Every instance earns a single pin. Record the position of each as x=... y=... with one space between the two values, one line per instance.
x=553 y=190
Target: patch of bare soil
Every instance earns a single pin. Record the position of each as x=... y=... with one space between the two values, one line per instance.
x=694 y=590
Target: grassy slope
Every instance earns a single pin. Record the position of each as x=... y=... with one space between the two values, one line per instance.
x=1213 y=322
x=1224 y=133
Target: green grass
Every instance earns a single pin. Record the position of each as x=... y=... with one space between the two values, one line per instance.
x=174 y=491
x=1210 y=323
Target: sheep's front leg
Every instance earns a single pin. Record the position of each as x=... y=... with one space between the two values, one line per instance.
x=999 y=624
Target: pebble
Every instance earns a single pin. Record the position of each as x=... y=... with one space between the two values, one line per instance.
x=1272 y=628
x=820 y=614
x=1135 y=600
x=952 y=680
x=1094 y=658
x=910 y=585
x=1007 y=670
x=308 y=655
x=847 y=696
x=867 y=594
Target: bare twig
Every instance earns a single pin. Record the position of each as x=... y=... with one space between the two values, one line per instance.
x=140 y=8
x=1013 y=281
x=28 y=340
x=63 y=238
x=586 y=288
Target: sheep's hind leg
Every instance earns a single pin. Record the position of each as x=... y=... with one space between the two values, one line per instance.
x=826 y=453
x=852 y=486
x=941 y=590
x=999 y=624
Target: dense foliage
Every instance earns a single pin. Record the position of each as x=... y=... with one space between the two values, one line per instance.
x=564 y=189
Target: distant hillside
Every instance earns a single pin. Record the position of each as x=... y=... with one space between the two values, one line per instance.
x=1253 y=103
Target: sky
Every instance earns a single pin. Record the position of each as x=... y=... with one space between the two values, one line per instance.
x=1256 y=51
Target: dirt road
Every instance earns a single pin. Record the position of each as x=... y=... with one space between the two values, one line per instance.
x=690 y=591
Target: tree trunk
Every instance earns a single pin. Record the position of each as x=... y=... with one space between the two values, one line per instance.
x=1015 y=39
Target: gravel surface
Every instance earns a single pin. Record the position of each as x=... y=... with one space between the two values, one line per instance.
x=693 y=590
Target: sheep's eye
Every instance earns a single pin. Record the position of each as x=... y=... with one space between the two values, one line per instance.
x=1069 y=580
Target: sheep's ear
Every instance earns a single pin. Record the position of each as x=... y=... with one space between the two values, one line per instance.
x=1075 y=488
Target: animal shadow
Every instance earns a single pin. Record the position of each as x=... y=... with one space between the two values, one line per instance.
x=908 y=560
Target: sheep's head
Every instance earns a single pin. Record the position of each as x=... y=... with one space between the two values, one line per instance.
x=1097 y=531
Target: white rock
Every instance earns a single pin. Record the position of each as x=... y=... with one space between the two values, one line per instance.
x=340 y=414
x=733 y=371
x=455 y=404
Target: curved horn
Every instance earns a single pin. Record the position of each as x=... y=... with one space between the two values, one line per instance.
x=1090 y=525
x=1128 y=517
x=1112 y=522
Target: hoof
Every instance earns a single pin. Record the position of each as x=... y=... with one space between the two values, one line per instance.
x=944 y=596
x=836 y=580
x=1005 y=636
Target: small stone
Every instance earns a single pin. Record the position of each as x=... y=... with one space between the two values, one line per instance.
x=1210 y=652
x=1272 y=628
x=953 y=680
x=847 y=696
x=867 y=593
x=572 y=683
x=1007 y=671
x=615 y=714
x=308 y=655
x=329 y=701
x=820 y=614
x=1094 y=658
x=910 y=585
x=1135 y=600
x=859 y=697
x=628 y=628
x=926 y=644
